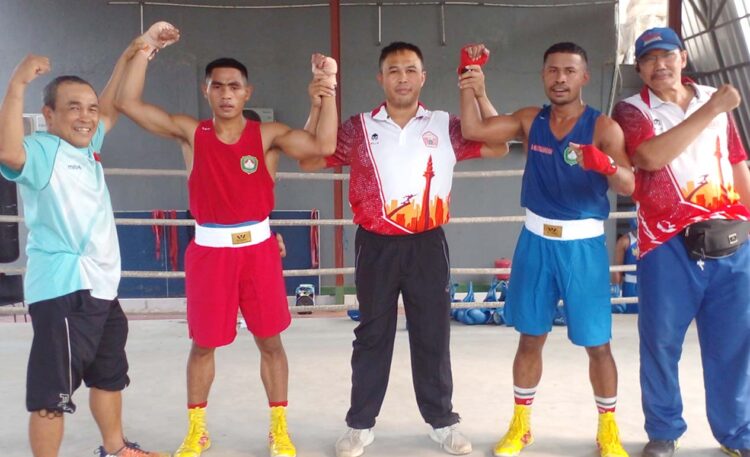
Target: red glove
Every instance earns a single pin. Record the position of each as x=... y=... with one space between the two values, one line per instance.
x=467 y=60
x=596 y=160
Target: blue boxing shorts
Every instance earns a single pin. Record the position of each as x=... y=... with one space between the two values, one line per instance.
x=576 y=271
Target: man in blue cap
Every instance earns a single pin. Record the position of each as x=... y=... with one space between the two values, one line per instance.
x=692 y=186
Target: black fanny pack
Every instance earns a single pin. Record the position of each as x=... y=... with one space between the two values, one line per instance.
x=715 y=238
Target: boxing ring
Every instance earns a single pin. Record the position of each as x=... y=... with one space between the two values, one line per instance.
x=319 y=349
x=322 y=222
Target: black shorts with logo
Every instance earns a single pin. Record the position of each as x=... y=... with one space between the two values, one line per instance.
x=76 y=338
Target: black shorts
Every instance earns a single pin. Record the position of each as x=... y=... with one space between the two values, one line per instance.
x=76 y=338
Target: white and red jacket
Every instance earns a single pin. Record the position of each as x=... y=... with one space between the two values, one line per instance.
x=698 y=184
x=400 y=179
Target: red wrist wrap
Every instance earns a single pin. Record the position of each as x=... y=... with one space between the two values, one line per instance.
x=596 y=160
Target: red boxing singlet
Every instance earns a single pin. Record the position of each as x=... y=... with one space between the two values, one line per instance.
x=229 y=183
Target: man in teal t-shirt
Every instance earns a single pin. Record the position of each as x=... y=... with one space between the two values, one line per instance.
x=73 y=268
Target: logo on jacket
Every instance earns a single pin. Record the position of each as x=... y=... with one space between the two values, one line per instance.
x=249 y=164
x=430 y=139
x=374 y=138
x=666 y=226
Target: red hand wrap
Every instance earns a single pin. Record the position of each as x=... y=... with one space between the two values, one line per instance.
x=596 y=160
x=466 y=60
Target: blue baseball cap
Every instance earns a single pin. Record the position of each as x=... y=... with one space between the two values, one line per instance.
x=657 y=38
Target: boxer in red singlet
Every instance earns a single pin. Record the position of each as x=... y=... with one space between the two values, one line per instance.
x=233 y=261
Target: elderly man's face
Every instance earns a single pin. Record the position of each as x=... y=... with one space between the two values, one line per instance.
x=661 y=69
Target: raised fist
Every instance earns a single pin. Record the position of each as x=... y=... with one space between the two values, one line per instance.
x=324 y=68
x=475 y=51
x=159 y=36
x=30 y=68
x=589 y=157
x=473 y=54
x=726 y=98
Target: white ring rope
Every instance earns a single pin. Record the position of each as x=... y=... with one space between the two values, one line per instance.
x=313 y=272
x=311 y=222
x=298 y=175
x=318 y=222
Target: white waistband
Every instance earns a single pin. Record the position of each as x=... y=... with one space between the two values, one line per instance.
x=631 y=278
x=554 y=229
x=232 y=237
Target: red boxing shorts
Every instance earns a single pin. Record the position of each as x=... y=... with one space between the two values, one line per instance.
x=219 y=280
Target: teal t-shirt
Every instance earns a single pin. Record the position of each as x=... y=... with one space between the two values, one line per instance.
x=72 y=243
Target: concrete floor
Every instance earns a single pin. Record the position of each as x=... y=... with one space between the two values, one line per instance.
x=564 y=417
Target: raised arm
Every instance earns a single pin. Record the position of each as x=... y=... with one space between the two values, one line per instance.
x=660 y=150
x=317 y=89
x=475 y=81
x=476 y=108
x=475 y=125
x=486 y=110
x=108 y=111
x=303 y=144
x=12 y=153
x=129 y=98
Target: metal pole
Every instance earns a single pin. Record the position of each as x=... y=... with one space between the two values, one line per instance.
x=616 y=65
x=442 y=23
x=380 y=24
x=338 y=188
x=674 y=15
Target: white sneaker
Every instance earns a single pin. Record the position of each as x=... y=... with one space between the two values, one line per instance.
x=451 y=440
x=352 y=443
